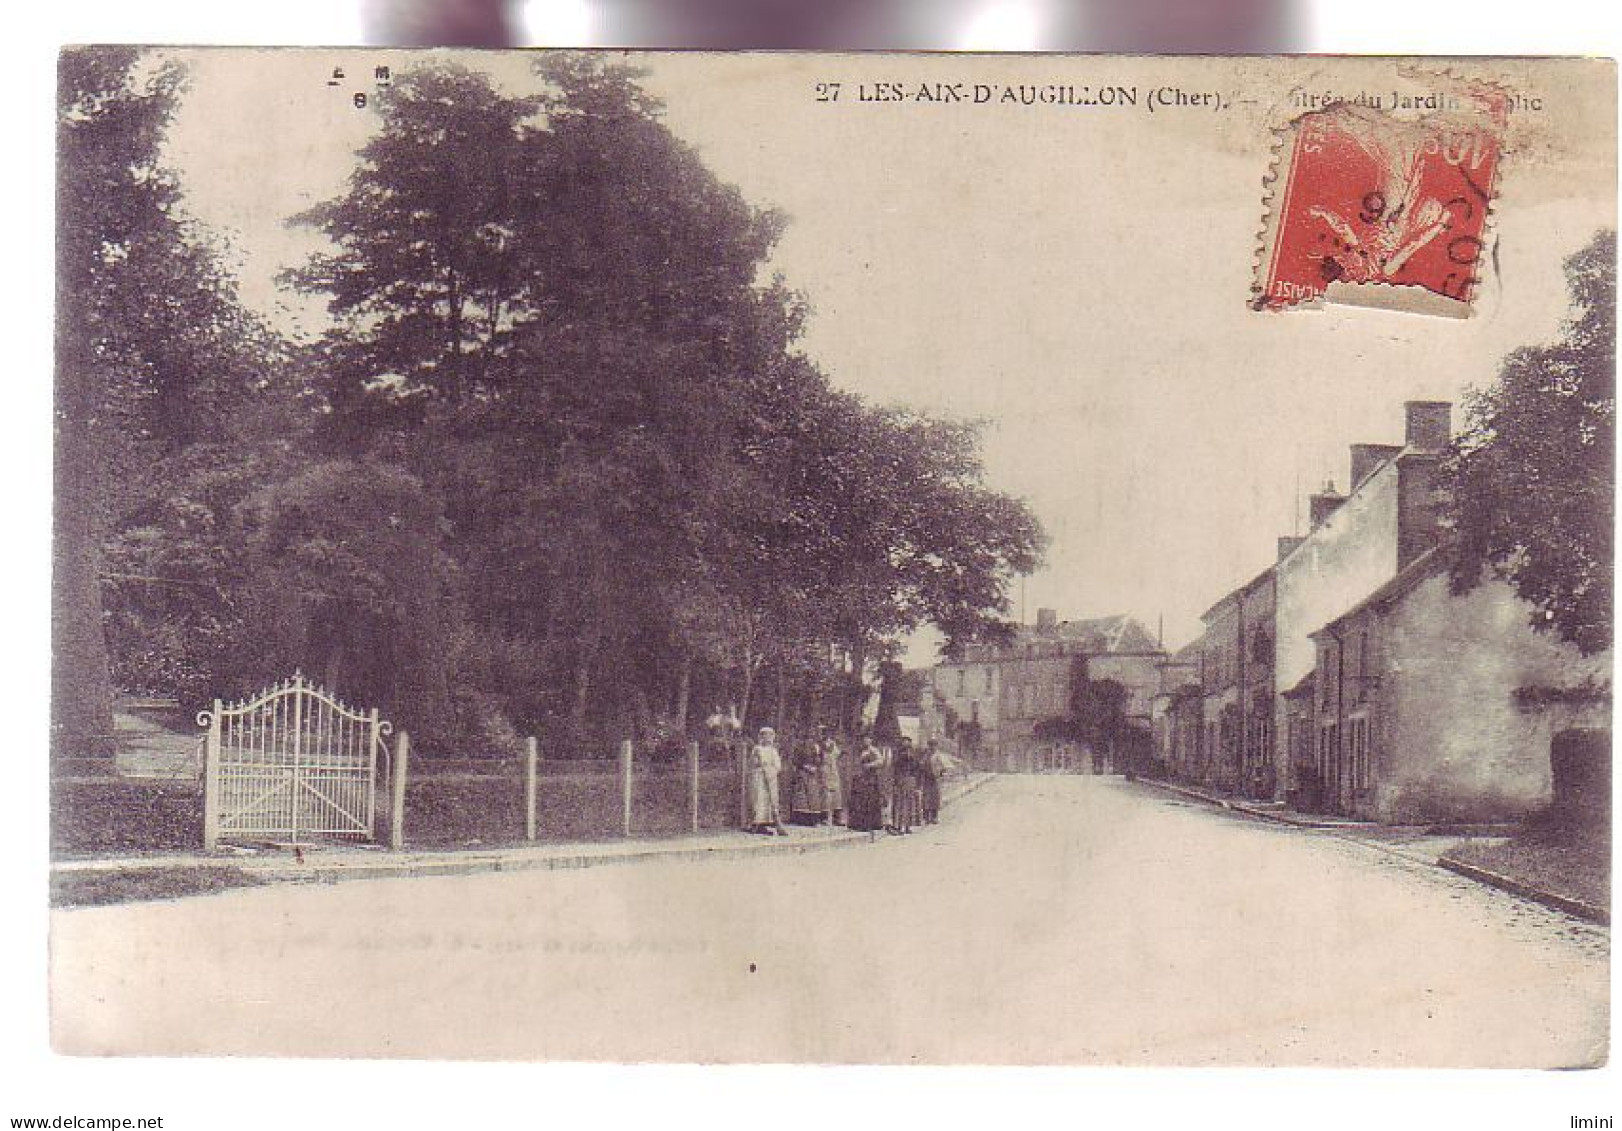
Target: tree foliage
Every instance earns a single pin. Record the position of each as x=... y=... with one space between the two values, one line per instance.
x=1533 y=476
x=153 y=351
x=560 y=465
x=1096 y=713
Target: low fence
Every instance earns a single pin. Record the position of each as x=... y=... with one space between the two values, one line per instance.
x=455 y=803
x=572 y=802
x=465 y=803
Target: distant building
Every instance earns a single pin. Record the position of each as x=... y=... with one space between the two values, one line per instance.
x=1426 y=706
x=991 y=699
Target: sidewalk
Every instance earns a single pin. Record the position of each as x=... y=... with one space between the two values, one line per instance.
x=328 y=863
x=1429 y=845
x=1265 y=810
x=1283 y=814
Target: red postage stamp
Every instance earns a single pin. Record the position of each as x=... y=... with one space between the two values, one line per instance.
x=1381 y=210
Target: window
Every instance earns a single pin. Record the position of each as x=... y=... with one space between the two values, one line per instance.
x=1358 y=734
x=1329 y=754
x=988 y=679
x=1261 y=648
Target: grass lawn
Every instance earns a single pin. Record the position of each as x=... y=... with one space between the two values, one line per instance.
x=1573 y=865
x=91 y=889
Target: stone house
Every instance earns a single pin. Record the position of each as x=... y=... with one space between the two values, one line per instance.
x=1429 y=706
x=1356 y=543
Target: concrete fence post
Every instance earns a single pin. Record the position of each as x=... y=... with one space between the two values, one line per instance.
x=211 y=780
x=531 y=754
x=625 y=787
x=692 y=784
x=397 y=792
x=829 y=789
x=741 y=749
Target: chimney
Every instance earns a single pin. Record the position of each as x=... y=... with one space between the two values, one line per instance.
x=1323 y=504
x=1430 y=425
x=1046 y=620
x=1367 y=457
x=1287 y=545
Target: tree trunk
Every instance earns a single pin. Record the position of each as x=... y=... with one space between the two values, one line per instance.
x=813 y=710
x=782 y=697
x=684 y=689
x=854 y=692
x=584 y=659
x=81 y=679
x=748 y=689
x=335 y=669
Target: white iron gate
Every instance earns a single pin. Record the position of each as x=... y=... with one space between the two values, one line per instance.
x=291 y=763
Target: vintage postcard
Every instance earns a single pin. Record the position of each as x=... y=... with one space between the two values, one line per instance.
x=945 y=559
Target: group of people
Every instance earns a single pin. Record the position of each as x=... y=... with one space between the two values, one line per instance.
x=893 y=789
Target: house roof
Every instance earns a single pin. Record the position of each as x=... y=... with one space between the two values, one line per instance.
x=1235 y=592
x=1302 y=686
x=1428 y=563
x=1099 y=635
x=1187 y=656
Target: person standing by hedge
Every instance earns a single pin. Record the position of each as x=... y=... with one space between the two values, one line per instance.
x=907 y=779
x=930 y=770
x=867 y=788
x=765 y=796
x=831 y=782
x=808 y=791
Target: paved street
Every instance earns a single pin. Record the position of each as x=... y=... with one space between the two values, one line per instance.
x=1052 y=919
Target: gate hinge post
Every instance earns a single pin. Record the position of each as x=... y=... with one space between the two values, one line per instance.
x=211 y=780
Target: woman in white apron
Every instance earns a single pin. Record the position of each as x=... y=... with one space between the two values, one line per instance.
x=765 y=771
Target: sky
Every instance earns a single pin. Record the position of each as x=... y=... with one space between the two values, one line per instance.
x=1075 y=278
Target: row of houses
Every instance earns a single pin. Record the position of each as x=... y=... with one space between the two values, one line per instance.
x=1347 y=677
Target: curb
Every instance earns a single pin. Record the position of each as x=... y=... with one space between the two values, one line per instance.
x=1429 y=828
x=1253 y=811
x=1576 y=907
x=425 y=869
x=459 y=864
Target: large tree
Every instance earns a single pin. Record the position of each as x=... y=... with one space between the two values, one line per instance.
x=1533 y=475
x=151 y=349
x=422 y=284
x=558 y=320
